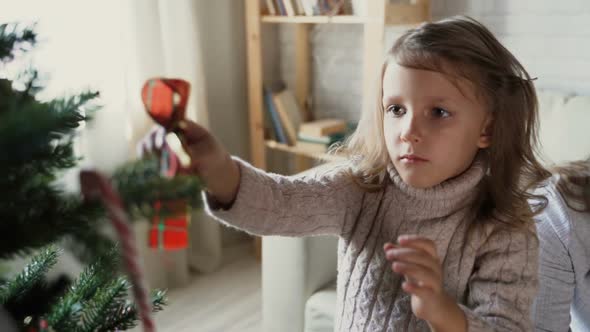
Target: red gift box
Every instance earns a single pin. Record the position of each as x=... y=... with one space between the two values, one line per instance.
x=170 y=232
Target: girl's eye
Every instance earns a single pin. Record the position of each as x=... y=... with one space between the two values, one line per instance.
x=396 y=110
x=440 y=112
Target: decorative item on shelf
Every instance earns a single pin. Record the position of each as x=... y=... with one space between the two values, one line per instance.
x=165 y=101
x=320 y=135
x=331 y=7
x=304 y=7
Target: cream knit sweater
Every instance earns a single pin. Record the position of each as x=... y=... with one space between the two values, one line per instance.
x=493 y=276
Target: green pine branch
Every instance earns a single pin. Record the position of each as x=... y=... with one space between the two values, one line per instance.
x=66 y=313
x=45 y=218
x=13 y=39
x=37 y=143
x=109 y=310
x=12 y=291
x=140 y=185
x=126 y=316
x=47 y=128
x=105 y=301
x=96 y=301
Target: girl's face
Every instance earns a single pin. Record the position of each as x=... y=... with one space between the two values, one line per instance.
x=433 y=128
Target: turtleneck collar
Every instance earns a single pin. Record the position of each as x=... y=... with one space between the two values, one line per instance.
x=444 y=198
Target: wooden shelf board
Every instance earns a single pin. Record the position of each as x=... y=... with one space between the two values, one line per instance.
x=297 y=150
x=395 y=14
x=336 y=19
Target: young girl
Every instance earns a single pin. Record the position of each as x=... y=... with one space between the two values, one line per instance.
x=563 y=301
x=431 y=210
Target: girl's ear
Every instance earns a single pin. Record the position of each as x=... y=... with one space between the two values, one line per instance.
x=485 y=138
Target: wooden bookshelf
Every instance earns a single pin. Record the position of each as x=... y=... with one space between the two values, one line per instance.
x=336 y=19
x=395 y=14
x=380 y=13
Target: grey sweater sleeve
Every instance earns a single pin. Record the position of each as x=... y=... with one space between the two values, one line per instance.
x=315 y=203
x=551 y=310
x=504 y=282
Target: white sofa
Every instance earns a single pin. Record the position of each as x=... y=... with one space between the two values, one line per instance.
x=298 y=274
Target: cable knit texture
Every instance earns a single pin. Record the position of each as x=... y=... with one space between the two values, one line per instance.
x=563 y=300
x=492 y=273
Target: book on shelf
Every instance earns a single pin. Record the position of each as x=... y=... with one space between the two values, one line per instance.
x=323 y=127
x=289 y=113
x=289 y=9
x=304 y=7
x=270 y=6
x=274 y=117
x=308 y=8
x=299 y=7
x=281 y=7
x=319 y=144
x=326 y=140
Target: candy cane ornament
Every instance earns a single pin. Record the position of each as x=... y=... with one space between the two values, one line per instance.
x=95 y=186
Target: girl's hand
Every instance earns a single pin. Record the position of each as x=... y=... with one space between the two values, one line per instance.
x=210 y=161
x=415 y=257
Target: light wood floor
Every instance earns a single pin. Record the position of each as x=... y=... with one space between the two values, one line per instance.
x=226 y=300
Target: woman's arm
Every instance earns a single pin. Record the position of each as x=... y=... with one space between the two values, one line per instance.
x=551 y=310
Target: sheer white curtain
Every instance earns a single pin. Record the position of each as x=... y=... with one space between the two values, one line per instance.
x=165 y=41
x=113 y=46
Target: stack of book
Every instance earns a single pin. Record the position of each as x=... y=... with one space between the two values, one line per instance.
x=304 y=7
x=285 y=115
x=287 y=126
x=318 y=136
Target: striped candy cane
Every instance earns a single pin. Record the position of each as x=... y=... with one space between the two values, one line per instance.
x=95 y=186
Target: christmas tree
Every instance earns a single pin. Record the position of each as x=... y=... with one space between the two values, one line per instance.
x=38 y=219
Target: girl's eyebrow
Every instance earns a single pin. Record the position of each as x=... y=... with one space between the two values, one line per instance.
x=430 y=99
x=391 y=99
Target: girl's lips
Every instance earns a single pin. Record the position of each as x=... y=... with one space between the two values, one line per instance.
x=410 y=158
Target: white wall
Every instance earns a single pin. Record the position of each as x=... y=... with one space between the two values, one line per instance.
x=551 y=38
x=221 y=27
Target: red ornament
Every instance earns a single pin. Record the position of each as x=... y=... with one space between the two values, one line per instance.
x=165 y=100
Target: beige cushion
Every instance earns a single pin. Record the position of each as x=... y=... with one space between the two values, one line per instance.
x=319 y=310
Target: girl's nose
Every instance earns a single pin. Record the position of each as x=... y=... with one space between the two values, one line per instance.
x=410 y=132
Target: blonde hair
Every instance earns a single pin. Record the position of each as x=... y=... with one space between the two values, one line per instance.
x=460 y=47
